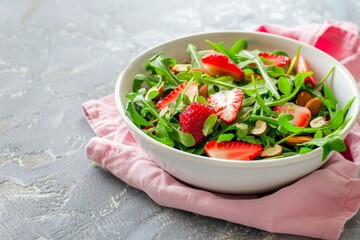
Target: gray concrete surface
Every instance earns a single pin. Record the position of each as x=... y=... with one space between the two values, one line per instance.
x=55 y=55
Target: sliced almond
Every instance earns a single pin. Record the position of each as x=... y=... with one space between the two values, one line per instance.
x=260 y=128
x=297 y=140
x=271 y=151
x=303 y=97
x=203 y=91
x=181 y=68
x=314 y=105
x=160 y=89
x=202 y=70
x=318 y=122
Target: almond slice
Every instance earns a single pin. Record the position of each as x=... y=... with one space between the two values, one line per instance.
x=160 y=89
x=260 y=128
x=297 y=140
x=271 y=151
x=202 y=70
x=181 y=68
x=318 y=122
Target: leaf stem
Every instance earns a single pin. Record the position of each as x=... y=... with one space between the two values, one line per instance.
x=326 y=77
x=293 y=62
x=264 y=74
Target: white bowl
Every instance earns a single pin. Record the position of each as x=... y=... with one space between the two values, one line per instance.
x=229 y=176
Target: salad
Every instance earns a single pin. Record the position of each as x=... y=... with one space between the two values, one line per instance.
x=235 y=103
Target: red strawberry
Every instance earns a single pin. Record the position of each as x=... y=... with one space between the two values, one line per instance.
x=277 y=60
x=226 y=103
x=192 y=120
x=301 y=67
x=233 y=150
x=301 y=114
x=216 y=63
x=174 y=94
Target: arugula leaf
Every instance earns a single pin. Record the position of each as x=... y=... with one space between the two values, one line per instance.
x=328 y=145
x=294 y=60
x=195 y=56
x=261 y=101
x=242 y=130
x=284 y=86
x=185 y=138
x=225 y=137
x=274 y=71
x=299 y=83
x=219 y=47
x=209 y=124
x=136 y=117
x=160 y=65
x=328 y=94
x=269 y=81
x=239 y=45
x=187 y=76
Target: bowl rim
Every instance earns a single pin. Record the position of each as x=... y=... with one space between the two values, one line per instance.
x=226 y=162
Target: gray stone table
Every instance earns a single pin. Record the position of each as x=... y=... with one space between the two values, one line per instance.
x=55 y=55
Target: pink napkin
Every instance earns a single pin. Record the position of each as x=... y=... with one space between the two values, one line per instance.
x=317 y=205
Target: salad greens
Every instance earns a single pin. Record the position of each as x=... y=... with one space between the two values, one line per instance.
x=265 y=86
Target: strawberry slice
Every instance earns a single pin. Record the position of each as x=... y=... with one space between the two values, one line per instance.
x=301 y=114
x=192 y=120
x=227 y=103
x=233 y=150
x=191 y=92
x=216 y=63
x=301 y=67
x=277 y=60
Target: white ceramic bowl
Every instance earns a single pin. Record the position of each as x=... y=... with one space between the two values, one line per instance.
x=229 y=176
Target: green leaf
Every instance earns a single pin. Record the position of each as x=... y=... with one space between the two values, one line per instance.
x=294 y=60
x=219 y=47
x=201 y=99
x=328 y=145
x=304 y=150
x=209 y=124
x=284 y=86
x=242 y=130
x=336 y=120
x=328 y=94
x=278 y=52
x=275 y=72
x=195 y=56
x=318 y=134
x=269 y=120
x=187 y=76
x=225 y=137
x=137 y=118
x=270 y=83
x=261 y=101
x=160 y=65
x=138 y=81
x=239 y=45
x=184 y=138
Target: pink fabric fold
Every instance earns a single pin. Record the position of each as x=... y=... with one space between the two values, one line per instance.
x=317 y=205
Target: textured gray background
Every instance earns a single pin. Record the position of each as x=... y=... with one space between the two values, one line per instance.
x=55 y=55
